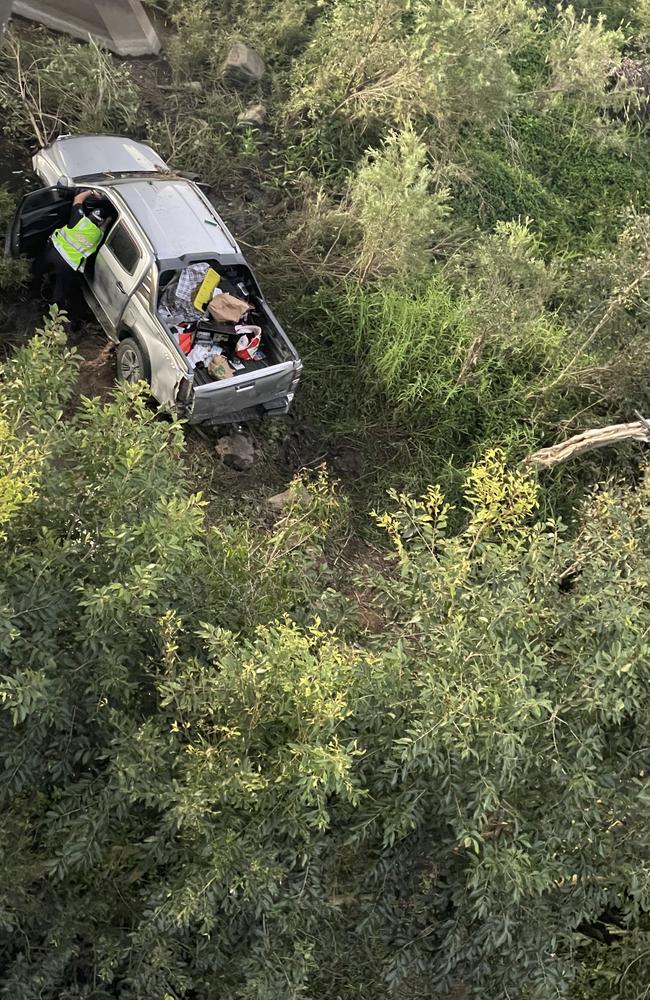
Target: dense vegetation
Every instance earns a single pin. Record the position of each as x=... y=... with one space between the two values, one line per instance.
x=247 y=755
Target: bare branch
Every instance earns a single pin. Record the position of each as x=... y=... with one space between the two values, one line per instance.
x=597 y=437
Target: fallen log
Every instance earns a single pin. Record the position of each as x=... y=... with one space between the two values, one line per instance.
x=598 y=437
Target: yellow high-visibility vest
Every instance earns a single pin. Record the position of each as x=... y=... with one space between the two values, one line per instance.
x=76 y=243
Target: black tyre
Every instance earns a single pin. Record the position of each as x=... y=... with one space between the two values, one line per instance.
x=132 y=362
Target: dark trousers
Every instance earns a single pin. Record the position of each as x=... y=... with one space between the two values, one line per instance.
x=66 y=292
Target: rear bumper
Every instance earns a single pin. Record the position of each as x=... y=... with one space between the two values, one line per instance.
x=277 y=407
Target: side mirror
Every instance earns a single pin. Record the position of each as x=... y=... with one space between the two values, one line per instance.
x=64 y=183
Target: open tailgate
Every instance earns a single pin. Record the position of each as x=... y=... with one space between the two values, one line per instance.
x=248 y=389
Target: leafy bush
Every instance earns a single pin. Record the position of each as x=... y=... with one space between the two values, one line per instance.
x=581 y=55
x=434 y=571
x=375 y=59
x=235 y=764
x=613 y=965
x=620 y=12
x=399 y=214
x=507 y=286
x=608 y=297
x=191 y=807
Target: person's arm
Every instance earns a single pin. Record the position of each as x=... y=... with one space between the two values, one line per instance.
x=76 y=213
x=81 y=197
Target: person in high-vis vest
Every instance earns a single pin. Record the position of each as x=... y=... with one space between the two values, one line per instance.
x=69 y=249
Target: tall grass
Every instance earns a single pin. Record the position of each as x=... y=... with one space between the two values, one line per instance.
x=413 y=346
x=413 y=343
x=53 y=85
x=385 y=365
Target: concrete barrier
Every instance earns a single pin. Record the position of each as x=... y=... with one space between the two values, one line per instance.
x=5 y=14
x=119 y=25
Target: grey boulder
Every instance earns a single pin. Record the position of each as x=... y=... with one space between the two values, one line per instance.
x=281 y=502
x=236 y=451
x=254 y=116
x=243 y=65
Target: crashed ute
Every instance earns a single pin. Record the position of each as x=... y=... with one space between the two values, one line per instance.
x=164 y=229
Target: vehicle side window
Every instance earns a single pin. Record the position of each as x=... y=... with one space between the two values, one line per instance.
x=122 y=246
x=46 y=197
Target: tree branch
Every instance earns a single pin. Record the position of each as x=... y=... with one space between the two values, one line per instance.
x=598 y=437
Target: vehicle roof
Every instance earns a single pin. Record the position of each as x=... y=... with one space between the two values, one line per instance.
x=100 y=155
x=175 y=218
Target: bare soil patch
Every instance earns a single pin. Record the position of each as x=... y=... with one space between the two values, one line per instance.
x=97 y=369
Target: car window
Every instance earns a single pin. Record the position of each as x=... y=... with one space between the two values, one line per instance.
x=122 y=246
x=45 y=197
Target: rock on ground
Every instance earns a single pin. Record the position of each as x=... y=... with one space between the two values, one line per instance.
x=281 y=502
x=254 y=115
x=243 y=65
x=347 y=463
x=236 y=451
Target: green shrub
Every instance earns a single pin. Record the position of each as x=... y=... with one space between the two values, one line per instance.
x=399 y=212
x=619 y=12
x=207 y=791
x=613 y=965
x=559 y=173
x=581 y=53
x=374 y=59
x=276 y=31
x=203 y=30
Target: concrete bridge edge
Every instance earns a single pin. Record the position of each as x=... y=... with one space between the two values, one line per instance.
x=122 y=26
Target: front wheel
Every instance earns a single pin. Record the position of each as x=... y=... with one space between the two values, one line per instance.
x=132 y=362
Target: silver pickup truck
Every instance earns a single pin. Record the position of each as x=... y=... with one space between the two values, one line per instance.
x=162 y=223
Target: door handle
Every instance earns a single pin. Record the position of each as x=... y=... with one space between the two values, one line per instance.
x=244 y=388
x=120 y=286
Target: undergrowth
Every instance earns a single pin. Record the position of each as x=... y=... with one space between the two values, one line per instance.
x=367 y=198
x=560 y=173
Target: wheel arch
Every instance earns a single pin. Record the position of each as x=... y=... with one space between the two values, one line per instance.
x=126 y=331
x=128 y=334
